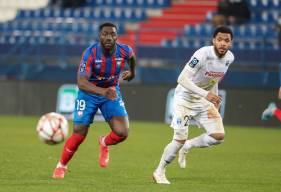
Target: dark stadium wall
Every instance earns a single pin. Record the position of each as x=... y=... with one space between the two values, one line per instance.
x=243 y=106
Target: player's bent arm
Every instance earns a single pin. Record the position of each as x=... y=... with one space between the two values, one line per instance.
x=130 y=74
x=132 y=65
x=85 y=85
x=184 y=81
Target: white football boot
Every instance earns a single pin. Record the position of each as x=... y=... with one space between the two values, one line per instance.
x=160 y=178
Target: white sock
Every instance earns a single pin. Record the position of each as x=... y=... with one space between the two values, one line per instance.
x=201 y=141
x=169 y=154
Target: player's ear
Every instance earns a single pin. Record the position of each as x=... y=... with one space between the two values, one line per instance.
x=213 y=41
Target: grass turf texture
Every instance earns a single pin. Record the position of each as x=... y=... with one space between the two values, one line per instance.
x=249 y=160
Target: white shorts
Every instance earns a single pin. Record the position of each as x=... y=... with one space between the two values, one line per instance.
x=206 y=117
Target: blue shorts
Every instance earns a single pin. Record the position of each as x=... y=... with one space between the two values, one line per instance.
x=87 y=104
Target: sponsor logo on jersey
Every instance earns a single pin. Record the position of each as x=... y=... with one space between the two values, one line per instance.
x=214 y=74
x=193 y=62
x=100 y=78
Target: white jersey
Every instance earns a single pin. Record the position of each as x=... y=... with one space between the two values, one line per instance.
x=205 y=69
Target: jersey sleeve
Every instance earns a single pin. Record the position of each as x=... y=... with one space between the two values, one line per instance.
x=191 y=67
x=130 y=53
x=84 y=69
x=194 y=64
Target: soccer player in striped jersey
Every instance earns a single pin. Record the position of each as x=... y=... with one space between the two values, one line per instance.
x=196 y=97
x=272 y=109
x=98 y=82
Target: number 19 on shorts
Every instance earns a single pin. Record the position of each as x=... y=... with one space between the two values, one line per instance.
x=80 y=105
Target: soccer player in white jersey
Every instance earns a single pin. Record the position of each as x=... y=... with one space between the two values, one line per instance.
x=196 y=97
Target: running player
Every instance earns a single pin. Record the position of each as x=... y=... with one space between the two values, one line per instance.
x=98 y=82
x=196 y=97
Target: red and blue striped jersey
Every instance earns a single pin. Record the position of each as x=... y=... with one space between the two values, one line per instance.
x=102 y=70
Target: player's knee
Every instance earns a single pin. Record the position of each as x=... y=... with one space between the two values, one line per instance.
x=122 y=135
x=180 y=141
x=81 y=129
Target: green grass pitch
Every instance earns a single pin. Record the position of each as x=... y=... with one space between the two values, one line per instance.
x=248 y=161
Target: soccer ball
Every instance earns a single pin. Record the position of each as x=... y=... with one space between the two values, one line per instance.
x=52 y=128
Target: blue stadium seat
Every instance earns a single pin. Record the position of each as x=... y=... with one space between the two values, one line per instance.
x=138 y=14
x=189 y=31
x=78 y=13
x=48 y=13
x=68 y=13
x=106 y=14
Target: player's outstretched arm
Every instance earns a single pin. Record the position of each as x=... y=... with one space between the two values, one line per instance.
x=85 y=85
x=130 y=74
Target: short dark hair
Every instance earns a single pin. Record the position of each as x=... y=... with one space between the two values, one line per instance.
x=107 y=25
x=223 y=29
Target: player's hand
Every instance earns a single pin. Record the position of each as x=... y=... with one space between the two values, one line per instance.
x=128 y=75
x=217 y=106
x=110 y=93
x=213 y=98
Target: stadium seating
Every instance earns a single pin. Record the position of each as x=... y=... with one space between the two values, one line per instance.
x=258 y=33
x=32 y=30
x=75 y=25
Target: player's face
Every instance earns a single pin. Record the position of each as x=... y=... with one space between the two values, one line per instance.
x=222 y=43
x=108 y=37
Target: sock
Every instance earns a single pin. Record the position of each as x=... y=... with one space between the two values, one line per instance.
x=70 y=147
x=169 y=154
x=277 y=113
x=201 y=141
x=112 y=139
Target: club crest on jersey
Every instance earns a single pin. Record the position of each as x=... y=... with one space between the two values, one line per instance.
x=80 y=113
x=193 y=62
x=179 y=121
x=83 y=66
x=118 y=61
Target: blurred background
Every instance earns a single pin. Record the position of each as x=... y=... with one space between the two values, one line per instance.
x=41 y=42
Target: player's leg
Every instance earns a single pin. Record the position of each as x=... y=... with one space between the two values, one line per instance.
x=83 y=117
x=277 y=113
x=119 y=130
x=180 y=126
x=115 y=114
x=169 y=153
x=70 y=147
x=211 y=121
